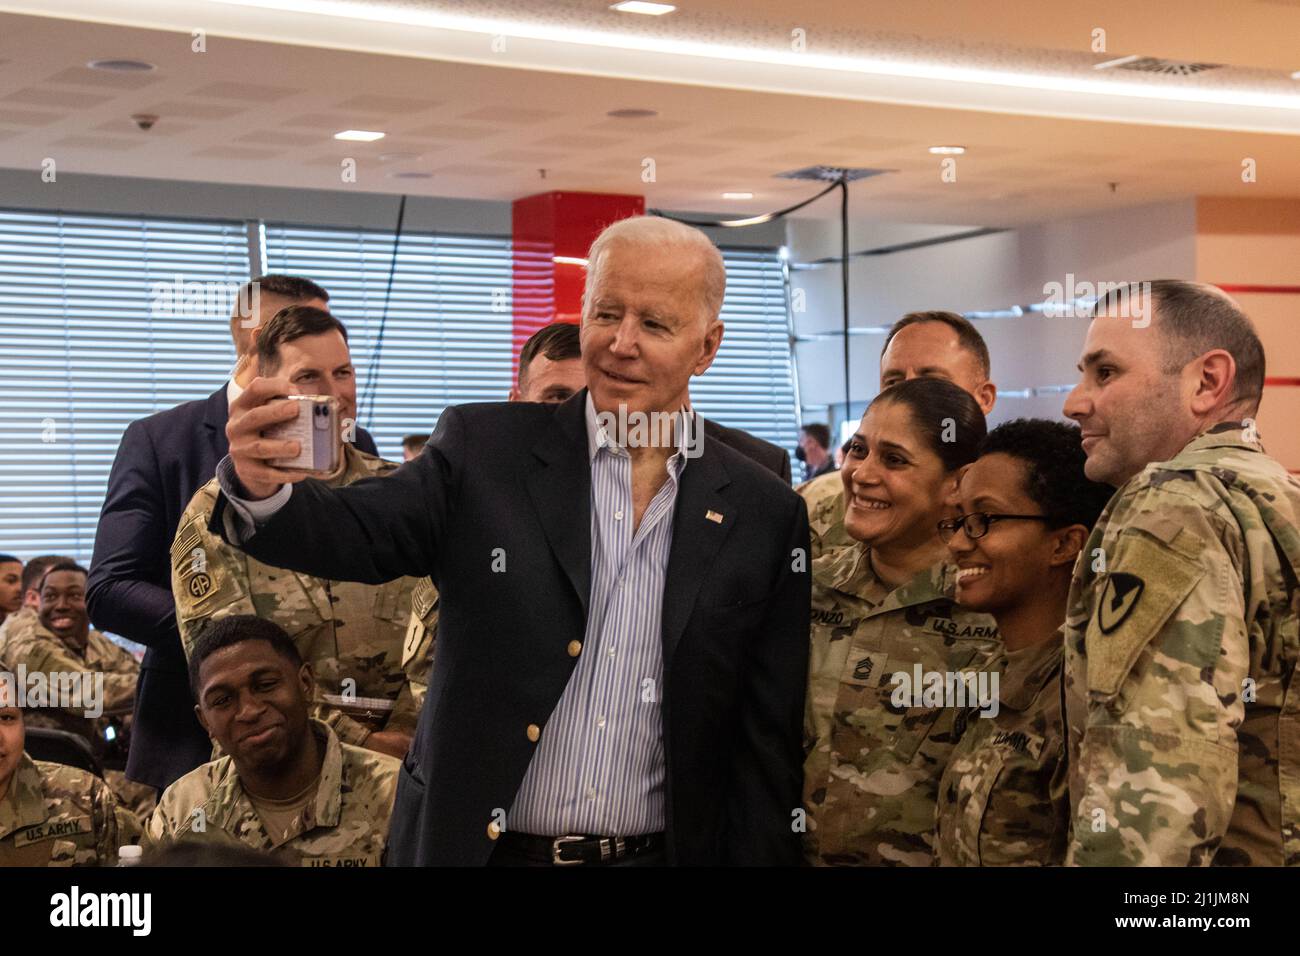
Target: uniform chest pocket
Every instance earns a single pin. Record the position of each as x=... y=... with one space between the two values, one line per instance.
x=63 y=853
x=393 y=601
x=974 y=790
x=916 y=726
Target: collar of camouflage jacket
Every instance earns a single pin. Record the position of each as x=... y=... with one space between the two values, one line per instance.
x=24 y=804
x=1241 y=434
x=1028 y=670
x=326 y=811
x=849 y=571
x=357 y=465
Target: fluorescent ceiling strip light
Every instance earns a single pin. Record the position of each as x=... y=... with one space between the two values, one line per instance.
x=440 y=20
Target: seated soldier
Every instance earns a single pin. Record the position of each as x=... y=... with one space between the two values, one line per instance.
x=52 y=815
x=287 y=784
x=30 y=584
x=371 y=668
x=58 y=640
x=11 y=586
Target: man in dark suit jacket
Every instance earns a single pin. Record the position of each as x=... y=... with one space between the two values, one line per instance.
x=560 y=552
x=772 y=457
x=162 y=461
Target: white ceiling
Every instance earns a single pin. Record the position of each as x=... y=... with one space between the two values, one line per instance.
x=484 y=121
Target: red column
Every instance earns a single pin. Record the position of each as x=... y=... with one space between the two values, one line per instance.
x=557 y=225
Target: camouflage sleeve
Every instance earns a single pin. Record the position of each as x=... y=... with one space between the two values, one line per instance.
x=111 y=825
x=209 y=577
x=1165 y=655
x=349 y=731
x=49 y=656
x=160 y=829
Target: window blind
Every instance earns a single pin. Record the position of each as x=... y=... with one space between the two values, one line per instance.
x=104 y=320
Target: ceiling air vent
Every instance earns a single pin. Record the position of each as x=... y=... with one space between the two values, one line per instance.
x=1155 y=64
x=832 y=174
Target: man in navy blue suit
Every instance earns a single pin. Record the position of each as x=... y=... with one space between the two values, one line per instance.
x=623 y=599
x=161 y=462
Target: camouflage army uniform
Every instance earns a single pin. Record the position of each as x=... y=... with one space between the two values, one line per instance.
x=347 y=631
x=1004 y=798
x=30 y=644
x=60 y=816
x=1181 y=714
x=871 y=771
x=824 y=496
x=346 y=824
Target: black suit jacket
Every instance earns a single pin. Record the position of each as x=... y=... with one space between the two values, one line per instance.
x=516 y=477
x=161 y=462
x=772 y=457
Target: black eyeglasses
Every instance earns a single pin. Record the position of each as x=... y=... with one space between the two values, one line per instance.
x=976 y=524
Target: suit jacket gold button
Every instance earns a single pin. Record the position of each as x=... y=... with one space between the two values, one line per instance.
x=534 y=732
x=494 y=830
x=575 y=648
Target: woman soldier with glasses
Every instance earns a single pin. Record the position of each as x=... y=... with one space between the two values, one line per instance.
x=1025 y=509
x=882 y=609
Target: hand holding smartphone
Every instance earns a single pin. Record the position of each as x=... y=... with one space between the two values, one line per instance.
x=315 y=428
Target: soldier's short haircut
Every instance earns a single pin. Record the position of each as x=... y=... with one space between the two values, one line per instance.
x=34 y=569
x=558 y=341
x=10 y=559
x=415 y=442
x=1053 y=456
x=948 y=418
x=288 y=288
x=818 y=432
x=1195 y=318
x=236 y=629
x=968 y=337
x=288 y=324
x=63 y=564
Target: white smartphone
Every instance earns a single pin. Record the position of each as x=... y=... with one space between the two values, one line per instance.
x=316 y=430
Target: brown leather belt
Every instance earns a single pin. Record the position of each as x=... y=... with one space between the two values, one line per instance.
x=580 y=849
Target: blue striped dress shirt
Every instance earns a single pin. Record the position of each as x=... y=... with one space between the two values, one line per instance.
x=599 y=766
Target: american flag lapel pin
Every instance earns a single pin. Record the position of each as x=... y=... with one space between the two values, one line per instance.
x=713 y=516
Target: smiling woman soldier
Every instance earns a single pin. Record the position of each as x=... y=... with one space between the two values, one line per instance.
x=884 y=608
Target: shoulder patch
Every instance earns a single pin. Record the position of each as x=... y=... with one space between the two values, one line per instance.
x=1119 y=596
x=1147 y=584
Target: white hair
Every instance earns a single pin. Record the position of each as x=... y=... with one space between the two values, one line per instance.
x=655 y=230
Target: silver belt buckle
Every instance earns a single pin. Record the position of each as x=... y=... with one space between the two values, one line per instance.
x=555 y=850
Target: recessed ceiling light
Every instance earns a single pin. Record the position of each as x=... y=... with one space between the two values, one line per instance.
x=947 y=150
x=121 y=66
x=640 y=6
x=1296 y=75
x=411 y=174
x=737 y=195
x=632 y=113
x=359 y=135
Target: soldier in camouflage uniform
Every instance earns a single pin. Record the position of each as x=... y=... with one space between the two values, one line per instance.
x=371 y=658
x=1181 y=640
x=872 y=767
x=1025 y=509
x=358 y=633
x=52 y=815
x=919 y=345
x=331 y=802
x=58 y=639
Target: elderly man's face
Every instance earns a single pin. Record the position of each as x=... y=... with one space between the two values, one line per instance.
x=644 y=327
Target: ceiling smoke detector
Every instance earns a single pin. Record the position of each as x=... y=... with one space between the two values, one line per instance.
x=1155 y=64
x=832 y=174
